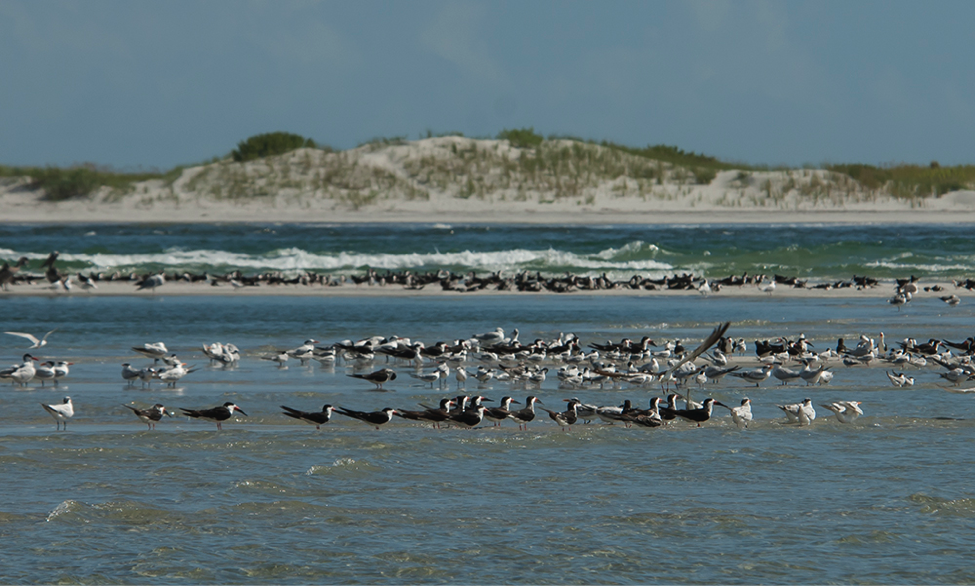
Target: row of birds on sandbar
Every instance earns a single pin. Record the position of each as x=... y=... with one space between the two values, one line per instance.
x=467 y=411
x=447 y=280
x=506 y=360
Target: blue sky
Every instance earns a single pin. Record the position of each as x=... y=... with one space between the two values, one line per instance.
x=156 y=84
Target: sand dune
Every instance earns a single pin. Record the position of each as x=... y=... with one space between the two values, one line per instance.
x=456 y=179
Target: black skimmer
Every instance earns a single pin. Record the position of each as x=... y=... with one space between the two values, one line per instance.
x=951 y=300
x=61 y=413
x=32 y=339
x=216 y=414
x=150 y=416
x=649 y=418
x=429 y=415
x=524 y=416
x=379 y=377
x=314 y=418
x=499 y=414
x=697 y=416
x=470 y=417
x=376 y=418
x=565 y=419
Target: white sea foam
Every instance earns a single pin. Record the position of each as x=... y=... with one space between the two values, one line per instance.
x=294 y=259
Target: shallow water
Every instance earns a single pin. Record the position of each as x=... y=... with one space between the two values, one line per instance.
x=268 y=500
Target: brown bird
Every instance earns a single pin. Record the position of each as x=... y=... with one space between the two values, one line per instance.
x=379 y=377
x=7 y=272
x=150 y=416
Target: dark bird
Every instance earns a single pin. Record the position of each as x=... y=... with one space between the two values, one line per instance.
x=470 y=417
x=379 y=377
x=8 y=272
x=429 y=415
x=314 y=418
x=150 y=416
x=565 y=419
x=524 y=416
x=376 y=418
x=499 y=414
x=216 y=414
x=698 y=416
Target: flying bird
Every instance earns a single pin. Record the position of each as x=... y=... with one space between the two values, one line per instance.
x=36 y=343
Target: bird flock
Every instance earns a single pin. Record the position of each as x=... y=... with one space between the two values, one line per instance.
x=446 y=280
x=495 y=358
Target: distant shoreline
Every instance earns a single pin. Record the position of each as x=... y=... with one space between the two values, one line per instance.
x=881 y=292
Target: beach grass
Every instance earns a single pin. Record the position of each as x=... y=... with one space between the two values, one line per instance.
x=518 y=165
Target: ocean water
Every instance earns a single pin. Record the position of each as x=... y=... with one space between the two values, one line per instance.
x=817 y=252
x=888 y=499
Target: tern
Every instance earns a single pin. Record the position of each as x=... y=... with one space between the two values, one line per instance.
x=44 y=372
x=150 y=416
x=61 y=370
x=171 y=376
x=21 y=373
x=802 y=413
x=755 y=376
x=311 y=417
x=428 y=377
x=899 y=379
x=152 y=350
x=30 y=337
x=61 y=413
x=215 y=414
x=742 y=414
x=152 y=282
x=305 y=352
x=845 y=411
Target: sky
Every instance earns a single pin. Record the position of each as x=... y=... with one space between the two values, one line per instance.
x=151 y=85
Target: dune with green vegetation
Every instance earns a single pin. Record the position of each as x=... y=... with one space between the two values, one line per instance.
x=517 y=170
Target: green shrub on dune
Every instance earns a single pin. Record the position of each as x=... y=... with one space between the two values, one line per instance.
x=268 y=145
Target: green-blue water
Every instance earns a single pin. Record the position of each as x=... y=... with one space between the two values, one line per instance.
x=269 y=500
x=825 y=252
